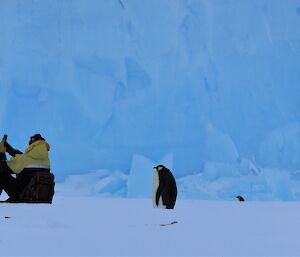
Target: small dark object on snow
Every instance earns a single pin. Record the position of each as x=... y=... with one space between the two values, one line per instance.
x=240 y=198
x=171 y=223
x=6 y=217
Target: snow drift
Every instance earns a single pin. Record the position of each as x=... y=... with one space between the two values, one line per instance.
x=217 y=181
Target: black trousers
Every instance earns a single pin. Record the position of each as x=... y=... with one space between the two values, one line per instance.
x=8 y=182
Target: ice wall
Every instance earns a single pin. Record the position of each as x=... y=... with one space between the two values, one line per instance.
x=206 y=80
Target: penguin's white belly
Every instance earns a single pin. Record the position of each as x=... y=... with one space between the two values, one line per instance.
x=155 y=185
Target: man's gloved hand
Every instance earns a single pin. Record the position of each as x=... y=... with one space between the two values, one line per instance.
x=2 y=146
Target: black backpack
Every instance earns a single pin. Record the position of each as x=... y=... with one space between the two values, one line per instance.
x=38 y=187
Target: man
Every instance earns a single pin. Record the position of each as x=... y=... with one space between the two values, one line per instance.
x=33 y=181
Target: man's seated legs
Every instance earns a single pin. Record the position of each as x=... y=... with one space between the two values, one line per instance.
x=7 y=182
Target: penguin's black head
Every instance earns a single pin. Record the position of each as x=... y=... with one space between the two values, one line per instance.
x=240 y=198
x=160 y=167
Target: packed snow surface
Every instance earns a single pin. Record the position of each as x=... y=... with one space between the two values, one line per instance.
x=85 y=226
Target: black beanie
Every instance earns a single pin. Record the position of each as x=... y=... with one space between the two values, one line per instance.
x=36 y=137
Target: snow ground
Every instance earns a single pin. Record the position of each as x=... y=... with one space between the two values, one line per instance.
x=91 y=226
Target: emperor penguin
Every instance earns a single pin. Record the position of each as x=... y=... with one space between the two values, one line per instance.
x=164 y=191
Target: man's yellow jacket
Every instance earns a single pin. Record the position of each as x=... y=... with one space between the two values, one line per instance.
x=35 y=154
